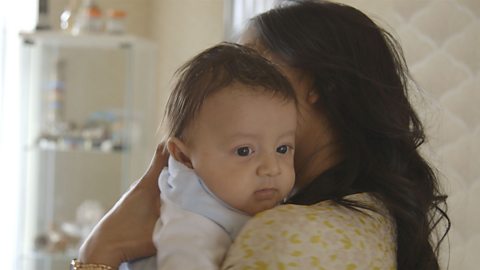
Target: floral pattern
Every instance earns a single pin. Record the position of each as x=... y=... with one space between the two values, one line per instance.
x=322 y=236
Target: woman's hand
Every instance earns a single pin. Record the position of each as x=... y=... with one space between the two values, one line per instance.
x=125 y=232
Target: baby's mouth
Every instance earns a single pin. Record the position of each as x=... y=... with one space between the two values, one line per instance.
x=266 y=194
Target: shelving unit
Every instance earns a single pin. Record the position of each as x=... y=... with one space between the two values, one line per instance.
x=90 y=125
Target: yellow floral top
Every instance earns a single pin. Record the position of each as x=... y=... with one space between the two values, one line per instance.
x=321 y=236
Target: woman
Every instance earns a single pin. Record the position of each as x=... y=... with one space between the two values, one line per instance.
x=356 y=154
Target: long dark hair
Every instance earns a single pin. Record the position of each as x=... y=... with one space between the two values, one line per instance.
x=360 y=75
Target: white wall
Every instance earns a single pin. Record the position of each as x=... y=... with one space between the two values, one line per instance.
x=182 y=29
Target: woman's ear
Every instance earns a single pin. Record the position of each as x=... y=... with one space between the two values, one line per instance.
x=179 y=151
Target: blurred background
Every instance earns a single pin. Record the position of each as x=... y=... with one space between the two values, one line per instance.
x=83 y=85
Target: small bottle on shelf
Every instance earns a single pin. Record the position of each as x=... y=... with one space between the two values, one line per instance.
x=55 y=98
x=115 y=23
x=89 y=19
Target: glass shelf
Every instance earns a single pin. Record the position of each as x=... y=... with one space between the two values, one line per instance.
x=93 y=150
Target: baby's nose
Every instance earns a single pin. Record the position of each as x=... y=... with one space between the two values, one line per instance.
x=268 y=166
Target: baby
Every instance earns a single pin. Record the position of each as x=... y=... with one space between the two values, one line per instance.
x=231 y=122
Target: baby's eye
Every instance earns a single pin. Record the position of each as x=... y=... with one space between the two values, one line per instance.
x=244 y=151
x=283 y=149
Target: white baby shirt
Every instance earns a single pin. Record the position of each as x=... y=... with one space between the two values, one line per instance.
x=195 y=229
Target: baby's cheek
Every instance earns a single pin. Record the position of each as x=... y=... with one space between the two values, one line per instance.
x=290 y=177
x=233 y=194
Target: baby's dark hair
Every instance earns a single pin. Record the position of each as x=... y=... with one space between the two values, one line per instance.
x=211 y=71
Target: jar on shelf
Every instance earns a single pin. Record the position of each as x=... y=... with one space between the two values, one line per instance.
x=55 y=99
x=89 y=18
x=115 y=23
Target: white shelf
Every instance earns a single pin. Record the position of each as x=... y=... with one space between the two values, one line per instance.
x=97 y=40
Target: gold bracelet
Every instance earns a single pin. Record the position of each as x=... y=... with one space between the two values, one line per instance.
x=76 y=265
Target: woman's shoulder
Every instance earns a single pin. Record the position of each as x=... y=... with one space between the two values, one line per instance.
x=322 y=235
x=328 y=214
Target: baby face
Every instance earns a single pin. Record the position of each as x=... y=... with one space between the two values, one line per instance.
x=241 y=144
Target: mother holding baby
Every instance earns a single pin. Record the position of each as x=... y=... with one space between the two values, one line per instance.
x=364 y=196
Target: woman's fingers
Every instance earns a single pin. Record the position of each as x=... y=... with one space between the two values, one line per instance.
x=125 y=232
x=158 y=162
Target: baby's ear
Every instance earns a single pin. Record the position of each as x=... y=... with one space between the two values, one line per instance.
x=312 y=97
x=179 y=151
